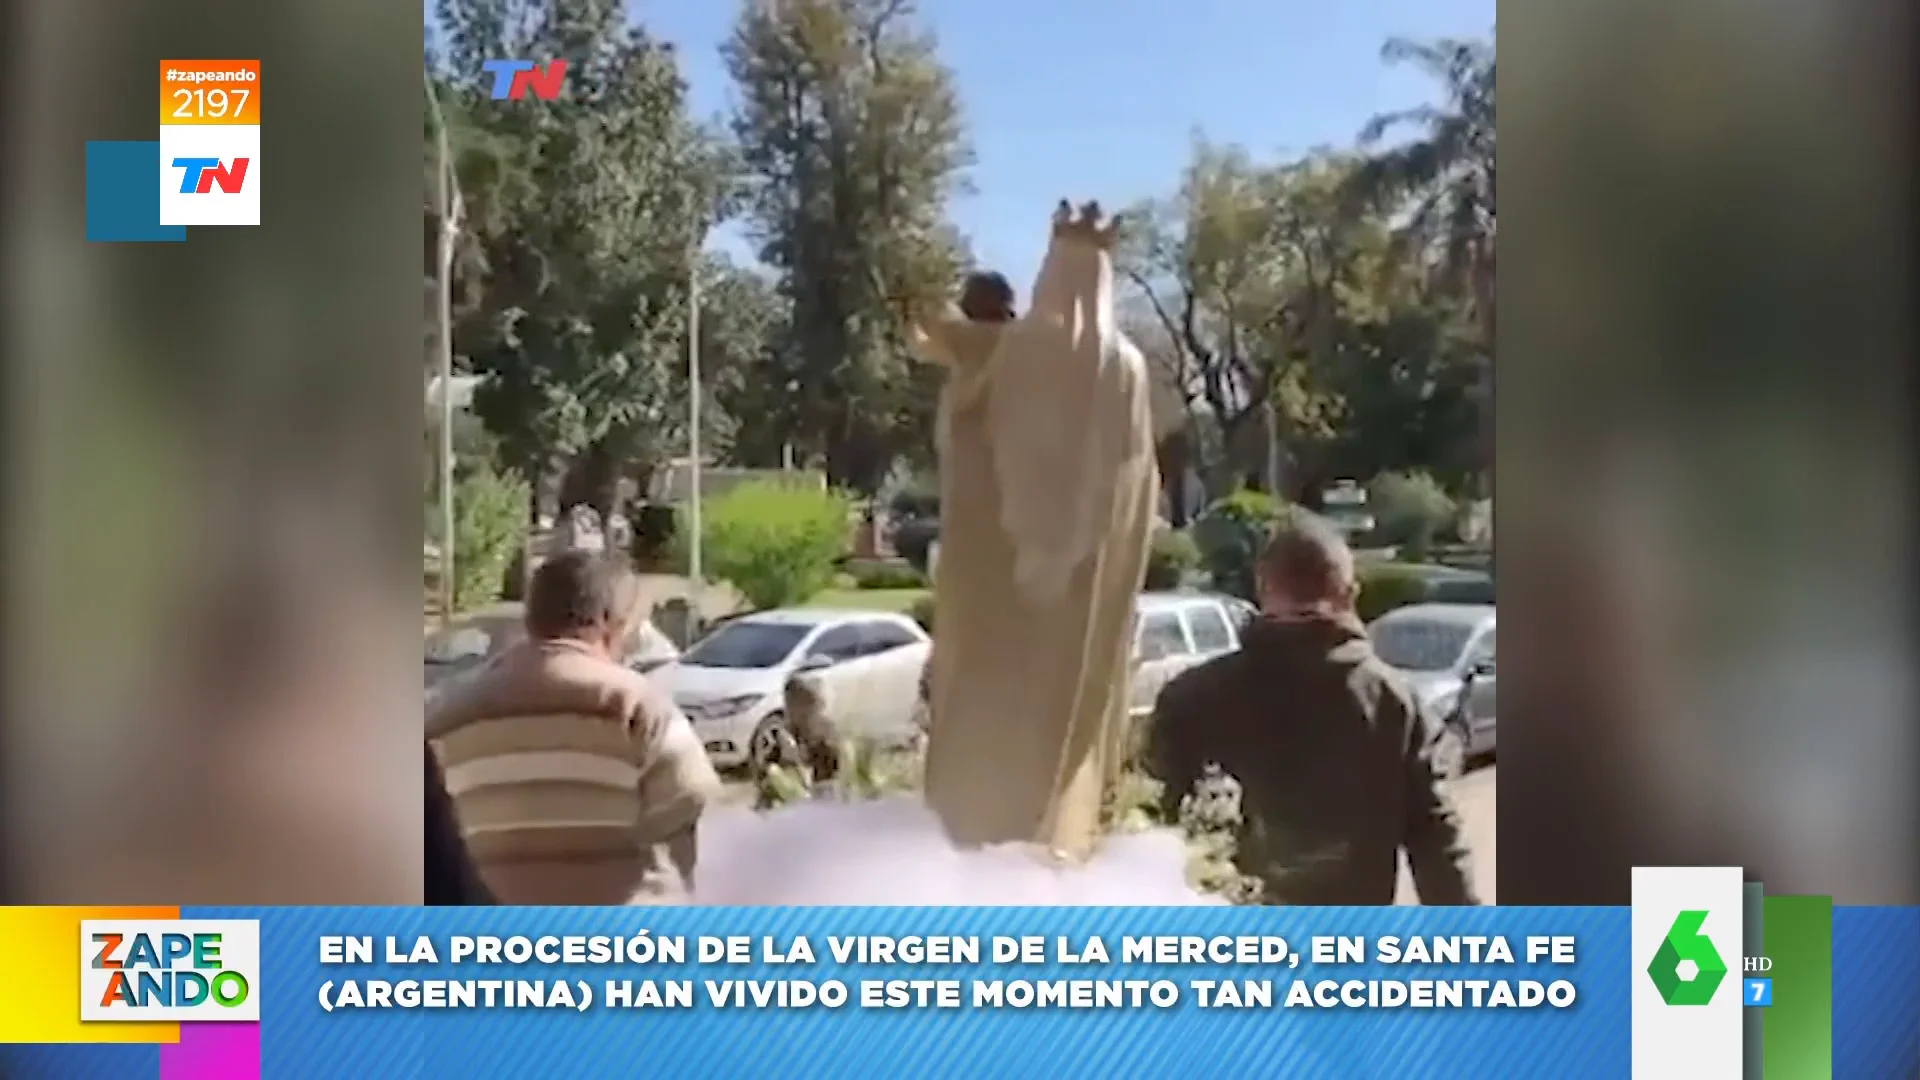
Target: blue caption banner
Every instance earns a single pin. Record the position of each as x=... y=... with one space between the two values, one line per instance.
x=371 y=1012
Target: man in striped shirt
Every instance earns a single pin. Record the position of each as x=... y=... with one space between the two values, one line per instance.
x=576 y=780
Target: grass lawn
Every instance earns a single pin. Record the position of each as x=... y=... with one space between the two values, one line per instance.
x=900 y=600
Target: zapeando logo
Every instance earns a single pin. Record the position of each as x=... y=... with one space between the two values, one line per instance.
x=169 y=970
x=1685 y=944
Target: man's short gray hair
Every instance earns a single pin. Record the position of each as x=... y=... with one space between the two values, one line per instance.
x=1307 y=559
x=579 y=591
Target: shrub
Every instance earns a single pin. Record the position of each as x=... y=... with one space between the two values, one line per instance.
x=1230 y=534
x=1410 y=511
x=922 y=613
x=774 y=543
x=883 y=575
x=1386 y=586
x=865 y=771
x=912 y=538
x=654 y=528
x=489 y=530
x=1173 y=556
x=915 y=502
x=1210 y=817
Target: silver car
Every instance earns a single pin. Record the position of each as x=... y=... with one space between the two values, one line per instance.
x=1447 y=653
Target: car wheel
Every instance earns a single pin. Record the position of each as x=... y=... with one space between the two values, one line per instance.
x=1449 y=754
x=772 y=743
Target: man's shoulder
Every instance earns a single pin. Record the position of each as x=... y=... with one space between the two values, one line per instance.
x=1380 y=686
x=575 y=680
x=635 y=693
x=1367 y=665
x=1204 y=681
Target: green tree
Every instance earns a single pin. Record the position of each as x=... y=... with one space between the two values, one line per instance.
x=1301 y=337
x=1200 y=261
x=849 y=131
x=1406 y=372
x=1442 y=184
x=1229 y=536
x=1325 y=280
x=1244 y=271
x=583 y=246
x=744 y=328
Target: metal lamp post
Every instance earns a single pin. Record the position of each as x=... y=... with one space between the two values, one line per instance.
x=694 y=562
x=447 y=206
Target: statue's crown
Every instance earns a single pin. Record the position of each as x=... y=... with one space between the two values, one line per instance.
x=1089 y=224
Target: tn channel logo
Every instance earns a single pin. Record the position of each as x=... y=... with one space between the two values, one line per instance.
x=199 y=174
x=1687 y=969
x=514 y=79
x=169 y=969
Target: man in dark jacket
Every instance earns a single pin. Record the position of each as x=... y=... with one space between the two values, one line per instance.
x=1327 y=743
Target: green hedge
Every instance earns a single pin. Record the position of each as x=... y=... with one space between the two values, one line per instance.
x=1411 y=511
x=915 y=502
x=654 y=532
x=1172 y=558
x=489 y=530
x=774 y=543
x=911 y=539
x=1387 y=586
x=871 y=574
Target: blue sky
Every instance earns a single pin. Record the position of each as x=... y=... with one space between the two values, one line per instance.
x=1078 y=99
x=1086 y=100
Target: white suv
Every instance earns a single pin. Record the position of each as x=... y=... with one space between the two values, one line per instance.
x=1174 y=631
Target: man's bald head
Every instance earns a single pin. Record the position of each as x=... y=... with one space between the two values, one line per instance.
x=1307 y=566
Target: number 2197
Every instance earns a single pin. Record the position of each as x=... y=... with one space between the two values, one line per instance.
x=209 y=104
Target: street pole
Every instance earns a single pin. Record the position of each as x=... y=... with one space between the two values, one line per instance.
x=449 y=211
x=694 y=567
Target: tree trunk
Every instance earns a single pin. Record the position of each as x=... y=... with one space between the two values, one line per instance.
x=1276 y=453
x=1174 y=456
x=642 y=474
x=1483 y=303
x=1244 y=446
x=856 y=462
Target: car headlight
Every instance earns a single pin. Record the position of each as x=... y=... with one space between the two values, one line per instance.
x=721 y=707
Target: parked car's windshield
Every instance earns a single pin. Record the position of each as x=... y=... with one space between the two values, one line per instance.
x=1419 y=644
x=744 y=645
x=1465 y=589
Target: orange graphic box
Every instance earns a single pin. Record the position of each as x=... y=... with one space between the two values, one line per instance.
x=201 y=92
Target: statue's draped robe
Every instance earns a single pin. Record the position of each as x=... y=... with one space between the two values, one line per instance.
x=1048 y=492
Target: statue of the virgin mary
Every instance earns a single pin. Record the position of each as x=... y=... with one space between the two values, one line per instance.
x=1048 y=491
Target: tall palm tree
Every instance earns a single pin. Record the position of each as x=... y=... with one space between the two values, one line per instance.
x=1439 y=184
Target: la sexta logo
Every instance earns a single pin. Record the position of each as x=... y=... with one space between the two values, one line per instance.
x=1687 y=969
